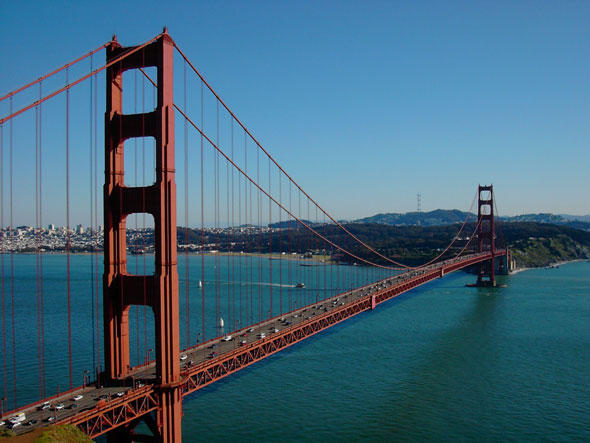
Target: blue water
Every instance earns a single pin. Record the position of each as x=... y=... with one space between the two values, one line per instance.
x=238 y=289
x=443 y=362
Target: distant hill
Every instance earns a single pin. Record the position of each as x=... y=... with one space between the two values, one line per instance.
x=580 y=218
x=537 y=218
x=438 y=217
x=290 y=224
x=441 y=217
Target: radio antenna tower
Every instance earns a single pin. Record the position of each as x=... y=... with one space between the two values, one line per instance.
x=419 y=200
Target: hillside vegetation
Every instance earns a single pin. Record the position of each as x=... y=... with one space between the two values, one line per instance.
x=533 y=244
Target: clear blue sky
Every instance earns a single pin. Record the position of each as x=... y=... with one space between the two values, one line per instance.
x=368 y=103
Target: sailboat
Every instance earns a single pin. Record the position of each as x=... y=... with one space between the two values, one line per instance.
x=221 y=323
x=200 y=284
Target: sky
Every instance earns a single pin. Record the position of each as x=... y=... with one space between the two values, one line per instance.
x=367 y=104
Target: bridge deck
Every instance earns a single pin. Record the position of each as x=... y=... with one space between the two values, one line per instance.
x=104 y=408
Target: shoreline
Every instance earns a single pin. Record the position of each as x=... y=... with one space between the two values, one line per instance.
x=549 y=266
x=321 y=259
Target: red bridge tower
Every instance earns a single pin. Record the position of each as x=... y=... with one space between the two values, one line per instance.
x=486 y=235
x=159 y=291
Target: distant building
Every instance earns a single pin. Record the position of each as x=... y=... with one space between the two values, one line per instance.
x=79 y=229
x=51 y=227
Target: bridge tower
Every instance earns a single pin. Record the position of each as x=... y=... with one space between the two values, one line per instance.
x=160 y=290
x=486 y=235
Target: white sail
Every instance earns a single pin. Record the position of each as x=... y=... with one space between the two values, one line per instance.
x=200 y=284
x=221 y=323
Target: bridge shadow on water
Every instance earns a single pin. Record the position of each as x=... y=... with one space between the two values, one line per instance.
x=454 y=376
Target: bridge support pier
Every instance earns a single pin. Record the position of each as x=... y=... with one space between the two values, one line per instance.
x=160 y=290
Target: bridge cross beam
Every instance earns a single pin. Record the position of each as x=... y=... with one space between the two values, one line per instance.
x=160 y=290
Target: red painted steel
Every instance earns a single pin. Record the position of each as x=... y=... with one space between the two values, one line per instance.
x=486 y=235
x=113 y=414
x=159 y=291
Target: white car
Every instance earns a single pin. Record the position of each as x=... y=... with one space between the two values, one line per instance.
x=183 y=357
x=227 y=338
x=18 y=418
x=261 y=335
x=78 y=397
x=59 y=406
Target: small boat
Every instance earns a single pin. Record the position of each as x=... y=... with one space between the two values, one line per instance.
x=300 y=285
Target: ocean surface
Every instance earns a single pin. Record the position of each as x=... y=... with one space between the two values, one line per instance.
x=443 y=362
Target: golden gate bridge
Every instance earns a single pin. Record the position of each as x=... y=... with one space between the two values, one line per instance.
x=258 y=233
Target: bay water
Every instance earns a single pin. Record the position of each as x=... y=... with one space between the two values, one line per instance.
x=442 y=362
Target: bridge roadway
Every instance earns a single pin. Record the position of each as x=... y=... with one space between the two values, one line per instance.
x=105 y=408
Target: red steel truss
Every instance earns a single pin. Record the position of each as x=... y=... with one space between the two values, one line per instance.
x=109 y=415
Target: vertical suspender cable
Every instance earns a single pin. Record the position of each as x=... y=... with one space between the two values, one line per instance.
x=251 y=205
x=280 y=249
x=232 y=239
x=308 y=250
x=216 y=177
x=12 y=261
x=259 y=236
x=241 y=246
x=135 y=176
x=96 y=278
x=37 y=248
x=41 y=280
x=228 y=242
x=2 y=252
x=291 y=226
x=186 y=241
x=202 y=224
x=92 y=227
x=247 y=234
x=68 y=228
x=269 y=241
